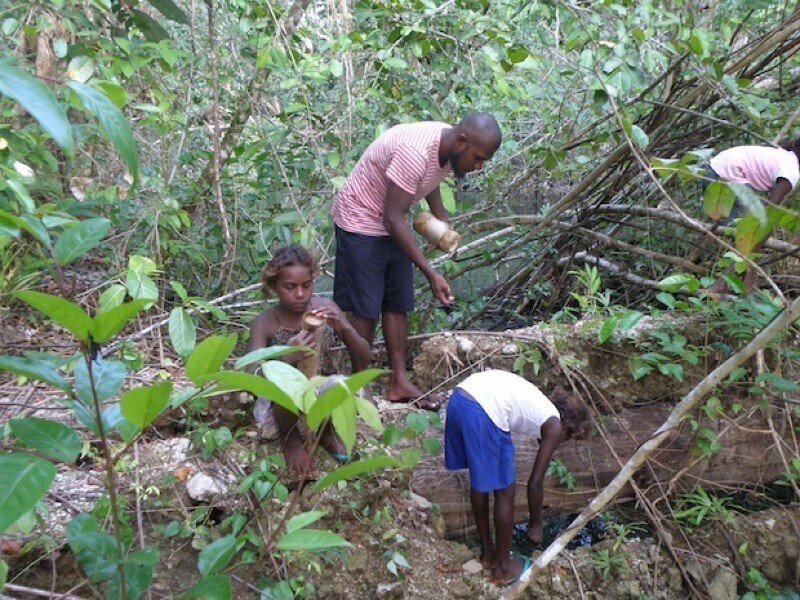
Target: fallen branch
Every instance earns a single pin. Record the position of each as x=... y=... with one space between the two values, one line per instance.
x=691 y=400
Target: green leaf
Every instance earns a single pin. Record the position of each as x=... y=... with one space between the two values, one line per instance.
x=96 y=551
x=84 y=414
x=629 y=319
x=209 y=356
x=143 y=404
x=107 y=376
x=718 y=200
x=37 y=99
x=28 y=205
x=33 y=369
x=24 y=479
x=310 y=540
x=182 y=331
x=216 y=555
x=3 y=574
x=674 y=283
x=110 y=321
x=368 y=465
x=256 y=385
x=112 y=122
x=70 y=316
x=286 y=377
x=170 y=10
x=304 y=519
x=369 y=413
x=263 y=354
x=432 y=446
x=324 y=405
x=151 y=28
x=215 y=587
x=343 y=419
x=606 y=329
x=79 y=239
x=138 y=569
x=112 y=297
x=448 y=199
x=783 y=385
x=356 y=381
x=48 y=437
x=639 y=137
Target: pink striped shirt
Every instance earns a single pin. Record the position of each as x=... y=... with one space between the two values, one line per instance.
x=406 y=155
x=757 y=166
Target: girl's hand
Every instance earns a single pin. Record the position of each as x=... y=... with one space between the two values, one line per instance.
x=302 y=338
x=333 y=316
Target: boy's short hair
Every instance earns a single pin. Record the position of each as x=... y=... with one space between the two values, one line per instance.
x=575 y=416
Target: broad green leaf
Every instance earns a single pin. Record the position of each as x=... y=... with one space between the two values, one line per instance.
x=142 y=265
x=3 y=574
x=448 y=199
x=264 y=354
x=718 y=200
x=8 y=227
x=310 y=540
x=112 y=297
x=784 y=385
x=639 y=137
x=28 y=205
x=629 y=319
x=182 y=331
x=138 y=569
x=70 y=316
x=108 y=322
x=674 y=283
x=256 y=385
x=37 y=99
x=27 y=222
x=107 y=376
x=143 y=404
x=24 y=479
x=751 y=201
x=170 y=10
x=85 y=415
x=151 y=28
x=216 y=555
x=112 y=122
x=215 y=587
x=356 y=381
x=749 y=233
x=606 y=329
x=48 y=437
x=180 y=290
x=369 y=413
x=368 y=465
x=343 y=419
x=79 y=239
x=431 y=445
x=286 y=377
x=324 y=405
x=114 y=92
x=96 y=551
x=209 y=356
x=304 y=519
x=33 y=369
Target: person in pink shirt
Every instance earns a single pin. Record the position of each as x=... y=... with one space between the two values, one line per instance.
x=774 y=170
x=375 y=248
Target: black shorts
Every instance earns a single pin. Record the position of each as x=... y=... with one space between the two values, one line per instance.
x=373 y=275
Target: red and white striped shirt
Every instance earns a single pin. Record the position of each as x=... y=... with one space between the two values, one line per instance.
x=406 y=155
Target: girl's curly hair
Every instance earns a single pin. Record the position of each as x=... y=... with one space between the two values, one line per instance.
x=287 y=256
x=574 y=413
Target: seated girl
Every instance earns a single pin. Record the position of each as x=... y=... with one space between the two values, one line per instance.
x=290 y=276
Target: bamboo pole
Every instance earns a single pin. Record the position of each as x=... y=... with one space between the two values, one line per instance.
x=788 y=316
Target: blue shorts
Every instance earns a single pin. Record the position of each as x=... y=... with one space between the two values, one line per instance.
x=373 y=275
x=472 y=440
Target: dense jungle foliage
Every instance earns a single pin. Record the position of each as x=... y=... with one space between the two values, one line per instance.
x=153 y=154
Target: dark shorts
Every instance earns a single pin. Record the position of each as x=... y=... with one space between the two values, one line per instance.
x=373 y=275
x=473 y=441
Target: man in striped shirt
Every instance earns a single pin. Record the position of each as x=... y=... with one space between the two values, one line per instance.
x=375 y=248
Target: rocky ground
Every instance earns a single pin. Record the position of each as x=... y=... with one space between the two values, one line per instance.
x=180 y=494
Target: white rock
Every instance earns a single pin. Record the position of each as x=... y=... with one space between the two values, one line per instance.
x=464 y=345
x=420 y=502
x=510 y=349
x=203 y=488
x=473 y=567
x=770 y=523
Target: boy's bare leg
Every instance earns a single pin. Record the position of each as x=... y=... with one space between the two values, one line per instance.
x=480 y=510
x=505 y=567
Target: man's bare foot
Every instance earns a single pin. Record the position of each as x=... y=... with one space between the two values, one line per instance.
x=403 y=391
x=297 y=457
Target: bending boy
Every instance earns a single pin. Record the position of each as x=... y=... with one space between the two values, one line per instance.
x=482 y=413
